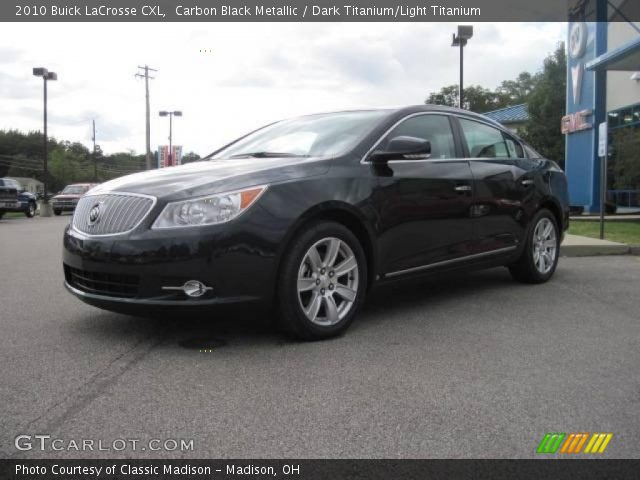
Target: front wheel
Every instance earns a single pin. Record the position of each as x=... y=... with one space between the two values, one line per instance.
x=57 y=212
x=540 y=254
x=322 y=282
x=30 y=212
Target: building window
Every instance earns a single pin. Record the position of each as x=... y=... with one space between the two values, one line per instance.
x=623 y=169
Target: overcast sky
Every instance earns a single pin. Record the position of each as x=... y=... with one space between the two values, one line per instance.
x=250 y=74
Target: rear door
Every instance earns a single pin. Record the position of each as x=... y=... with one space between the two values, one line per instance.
x=502 y=185
x=424 y=205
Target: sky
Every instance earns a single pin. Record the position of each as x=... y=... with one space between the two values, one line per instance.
x=230 y=78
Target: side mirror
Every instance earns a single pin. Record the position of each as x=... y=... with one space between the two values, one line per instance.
x=403 y=148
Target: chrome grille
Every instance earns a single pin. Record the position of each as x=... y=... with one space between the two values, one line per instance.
x=10 y=193
x=119 y=213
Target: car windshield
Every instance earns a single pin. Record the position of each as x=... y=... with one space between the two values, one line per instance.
x=311 y=136
x=75 y=189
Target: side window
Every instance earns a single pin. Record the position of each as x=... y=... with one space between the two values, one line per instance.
x=435 y=128
x=483 y=141
x=513 y=147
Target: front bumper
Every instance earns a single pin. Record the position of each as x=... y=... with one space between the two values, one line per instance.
x=64 y=206
x=127 y=273
x=10 y=206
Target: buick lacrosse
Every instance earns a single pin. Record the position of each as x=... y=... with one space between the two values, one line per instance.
x=308 y=214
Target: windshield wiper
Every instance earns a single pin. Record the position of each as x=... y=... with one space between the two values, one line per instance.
x=267 y=155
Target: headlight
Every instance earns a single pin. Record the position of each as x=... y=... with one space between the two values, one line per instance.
x=209 y=210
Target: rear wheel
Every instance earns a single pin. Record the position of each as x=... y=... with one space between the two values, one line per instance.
x=322 y=282
x=540 y=254
x=57 y=212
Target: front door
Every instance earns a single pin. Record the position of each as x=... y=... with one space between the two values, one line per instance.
x=424 y=205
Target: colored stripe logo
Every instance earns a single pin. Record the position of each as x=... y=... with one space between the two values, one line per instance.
x=573 y=443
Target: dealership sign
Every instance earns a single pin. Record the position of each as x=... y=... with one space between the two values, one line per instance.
x=576 y=122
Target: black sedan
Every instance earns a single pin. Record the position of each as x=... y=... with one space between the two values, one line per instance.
x=308 y=214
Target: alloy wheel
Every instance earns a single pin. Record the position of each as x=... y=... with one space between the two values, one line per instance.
x=545 y=245
x=328 y=280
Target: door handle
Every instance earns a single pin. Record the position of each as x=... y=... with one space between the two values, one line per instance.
x=463 y=188
x=527 y=182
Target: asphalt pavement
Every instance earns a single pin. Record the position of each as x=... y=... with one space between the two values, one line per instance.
x=474 y=366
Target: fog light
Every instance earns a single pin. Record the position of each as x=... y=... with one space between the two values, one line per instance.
x=191 y=288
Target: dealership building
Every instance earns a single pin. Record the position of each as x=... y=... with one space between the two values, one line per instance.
x=603 y=84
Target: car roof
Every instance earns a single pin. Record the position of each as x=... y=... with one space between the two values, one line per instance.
x=410 y=109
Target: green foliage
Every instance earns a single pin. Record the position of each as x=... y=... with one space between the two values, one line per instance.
x=190 y=157
x=515 y=92
x=476 y=98
x=546 y=105
x=69 y=162
x=616 y=231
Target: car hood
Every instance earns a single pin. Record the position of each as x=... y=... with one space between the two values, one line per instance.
x=213 y=176
x=66 y=197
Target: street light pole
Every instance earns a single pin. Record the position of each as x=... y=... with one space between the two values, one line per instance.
x=465 y=32
x=171 y=139
x=45 y=150
x=45 y=208
x=95 y=158
x=164 y=113
x=462 y=73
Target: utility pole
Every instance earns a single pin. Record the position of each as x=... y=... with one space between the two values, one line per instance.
x=95 y=158
x=146 y=77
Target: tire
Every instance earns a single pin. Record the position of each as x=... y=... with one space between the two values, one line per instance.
x=325 y=302
x=30 y=212
x=539 y=257
x=1 y=215
x=57 y=213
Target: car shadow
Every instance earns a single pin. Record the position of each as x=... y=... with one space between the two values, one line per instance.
x=243 y=325
x=437 y=288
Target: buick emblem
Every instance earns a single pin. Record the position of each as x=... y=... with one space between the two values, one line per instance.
x=94 y=214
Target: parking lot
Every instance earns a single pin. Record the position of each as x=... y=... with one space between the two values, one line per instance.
x=478 y=366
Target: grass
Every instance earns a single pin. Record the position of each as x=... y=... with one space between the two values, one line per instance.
x=14 y=215
x=623 y=232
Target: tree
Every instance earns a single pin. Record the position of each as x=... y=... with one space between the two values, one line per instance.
x=190 y=157
x=546 y=104
x=69 y=162
x=515 y=92
x=476 y=98
x=23 y=152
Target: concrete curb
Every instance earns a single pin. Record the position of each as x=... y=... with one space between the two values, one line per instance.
x=597 y=250
x=579 y=246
